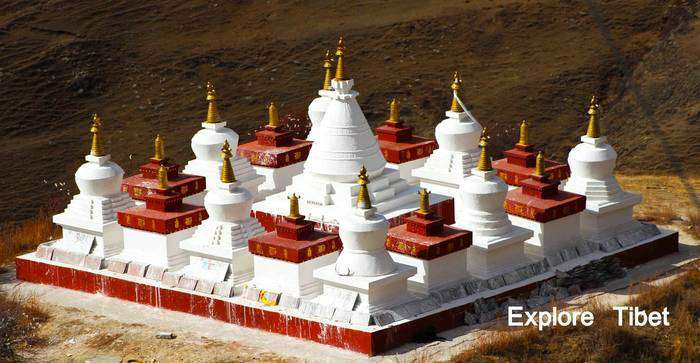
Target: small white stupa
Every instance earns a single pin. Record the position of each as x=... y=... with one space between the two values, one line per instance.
x=364 y=268
x=608 y=210
x=327 y=182
x=89 y=222
x=497 y=246
x=458 y=150
x=206 y=145
x=317 y=108
x=219 y=247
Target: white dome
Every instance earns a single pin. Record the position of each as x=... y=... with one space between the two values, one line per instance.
x=347 y=141
x=98 y=180
x=317 y=109
x=364 y=253
x=458 y=133
x=224 y=205
x=207 y=142
x=482 y=199
x=588 y=160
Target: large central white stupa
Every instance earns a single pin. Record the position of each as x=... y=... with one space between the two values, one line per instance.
x=344 y=144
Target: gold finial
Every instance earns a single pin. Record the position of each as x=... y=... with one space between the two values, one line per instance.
x=294 y=206
x=273 y=116
x=158 y=148
x=363 y=200
x=456 y=87
x=227 y=175
x=212 y=112
x=593 y=128
x=524 y=134
x=484 y=158
x=424 y=201
x=96 y=128
x=340 y=65
x=162 y=177
x=327 y=65
x=539 y=164
x=394 y=111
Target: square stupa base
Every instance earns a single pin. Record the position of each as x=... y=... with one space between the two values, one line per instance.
x=370 y=340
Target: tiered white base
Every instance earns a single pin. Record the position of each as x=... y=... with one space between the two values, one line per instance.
x=406 y=169
x=491 y=256
x=149 y=248
x=296 y=279
x=374 y=293
x=433 y=275
x=216 y=244
x=444 y=171
x=551 y=237
x=211 y=170
x=277 y=179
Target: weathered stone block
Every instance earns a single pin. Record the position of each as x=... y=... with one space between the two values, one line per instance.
x=187 y=283
x=155 y=272
x=452 y=293
x=291 y=302
x=511 y=277
x=205 y=286
x=359 y=318
x=94 y=262
x=171 y=278
x=342 y=316
x=251 y=293
x=383 y=318
x=496 y=282
x=223 y=289
x=137 y=269
x=323 y=311
x=68 y=257
x=117 y=265
x=44 y=251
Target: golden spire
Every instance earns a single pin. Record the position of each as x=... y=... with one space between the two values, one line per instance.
x=96 y=149
x=593 y=128
x=273 y=116
x=484 y=158
x=394 y=111
x=524 y=134
x=293 y=206
x=227 y=175
x=539 y=164
x=162 y=177
x=212 y=112
x=158 y=148
x=363 y=200
x=327 y=65
x=340 y=65
x=424 y=201
x=456 y=87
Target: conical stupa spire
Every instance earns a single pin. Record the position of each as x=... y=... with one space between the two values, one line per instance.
x=539 y=165
x=158 y=148
x=328 y=65
x=96 y=148
x=484 y=159
x=293 y=207
x=340 y=73
x=456 y=88
x=273 y=116
x=593 y=127
x=162 y=177
x=212 y=112
x=424 y=202
x=394 y=111
x=363 y=199
x=227 y=175
x=524 y=134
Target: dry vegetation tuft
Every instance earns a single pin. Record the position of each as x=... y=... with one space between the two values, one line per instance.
x=25 y=236
x=605 y=341
x=19 y=321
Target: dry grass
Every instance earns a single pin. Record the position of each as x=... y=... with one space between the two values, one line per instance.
x=25 y=236
x=605 y=341
x=18 y=324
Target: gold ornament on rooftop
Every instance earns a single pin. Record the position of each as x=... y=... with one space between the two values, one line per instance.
x=328 y=65
x=456 y=88
x=294 y=206
x=96 y=148
x=394 y=111
x=227 y=175
x=539 y=164
x=593 y=127
x=158 y=148
x=162 y=177
x=424 y=201
x=484 y=159
x=273 y=116
x=340 y=73
x=524 y=134
x=212 y=112
x=363 y=199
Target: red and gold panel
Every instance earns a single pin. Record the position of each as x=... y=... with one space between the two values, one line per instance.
x=275 y=156
x=543 y=210
x=400 y=240
x=162 y=222
x=272 y=246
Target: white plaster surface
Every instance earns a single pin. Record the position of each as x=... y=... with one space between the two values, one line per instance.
x=295 y=279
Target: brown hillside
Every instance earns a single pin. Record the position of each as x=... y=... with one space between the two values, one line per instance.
x=142 y=65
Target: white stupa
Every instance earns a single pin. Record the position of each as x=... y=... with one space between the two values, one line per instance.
x=497 y=245
x=364 y=268
x=89 y=222
x=206 y=145
x=608 y=210
x=327 y=183
x=219 y=247
x=458 y=150
x=317 y=108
